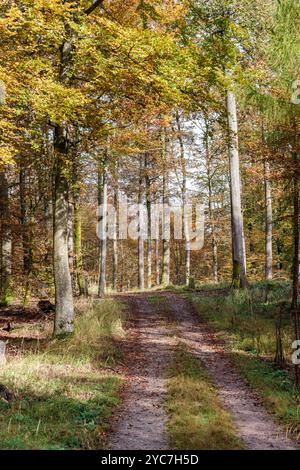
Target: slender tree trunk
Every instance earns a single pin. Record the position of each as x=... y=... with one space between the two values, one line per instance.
x=71 y=241
x=122 y=284
x=141 y=245
x=78 y=261
x=26 y=233
x=296 y=227
x=238 y=239
x=214 y=244
x=149 y=243
x=184 y=203
x=103 y=199
x=26 y=236
x=115 y=240
x=177 y=262
x=269 y=223
x=296 y=233
x=6 y=243
x=79 y=282
x=187 y=261
x=166 y=217
x=157 y=262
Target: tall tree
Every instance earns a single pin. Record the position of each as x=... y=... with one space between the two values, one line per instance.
x=166 y=213
x=210 y=175
x=269 y=223
x=149 y=220
x=103 y=205
x=6 y=242
x=238 y=238
x=141 y=242
x=184 y=194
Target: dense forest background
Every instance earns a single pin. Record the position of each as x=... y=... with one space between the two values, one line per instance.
x=145 y=342
x=139 y=99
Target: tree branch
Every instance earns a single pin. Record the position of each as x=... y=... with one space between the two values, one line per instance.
x=93 y=7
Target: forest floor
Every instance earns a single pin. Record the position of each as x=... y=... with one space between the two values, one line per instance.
x=62 y=391
x=174 y=369
x=164 y=330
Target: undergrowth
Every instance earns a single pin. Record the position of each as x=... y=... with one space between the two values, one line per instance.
x=246 y=321
x=64 y=389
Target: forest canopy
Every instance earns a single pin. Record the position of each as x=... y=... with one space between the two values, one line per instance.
x=159 y=101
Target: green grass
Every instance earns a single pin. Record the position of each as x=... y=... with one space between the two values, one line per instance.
x=275 y=388
x=197 y=420
x=64 y=390
x=246 y=322
x=213 y=286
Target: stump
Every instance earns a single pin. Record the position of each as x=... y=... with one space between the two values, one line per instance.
x=5 y=394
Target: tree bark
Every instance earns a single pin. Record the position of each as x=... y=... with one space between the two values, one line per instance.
x=157 y=263
x=184 y=195
x=141 y=245
x=78 y=261
x=26 y=232
x=166 y=218
x=115 y=240
x=214 y=244
x=149 y=243
x=64 y=317
x=238 y=239
x=269 y=223
x=71 y=240
x=209 y=172
x=296 y=227
x=122 y=266
x=103 y=202
x=6 y=243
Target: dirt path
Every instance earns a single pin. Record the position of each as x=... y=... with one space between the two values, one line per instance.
x=142 y=421
x=254 y=425
x=141 y=424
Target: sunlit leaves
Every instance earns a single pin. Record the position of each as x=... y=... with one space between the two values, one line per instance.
x=58 y=102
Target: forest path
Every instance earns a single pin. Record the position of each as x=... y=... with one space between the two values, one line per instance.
x=142 y=422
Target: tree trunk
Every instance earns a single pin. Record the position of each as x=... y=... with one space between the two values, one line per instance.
x=78 y=262
x=64 y=317
x=115 y=240
x=26 y=233
x=122 y=266
x=166 y=218
x=269 y=223
x=6 y=243
x=296 y=233
x=214 y=244
x=103 y=202
x=184 y=203
x=238 y=239
x=141 y=246
x=157 y=262
x=296 y=226
x=71 y=241
x=149 y=244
